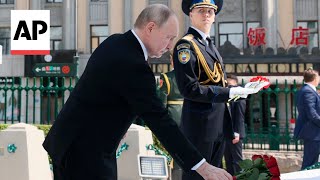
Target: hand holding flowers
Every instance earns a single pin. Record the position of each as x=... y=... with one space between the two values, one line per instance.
x=255 y=85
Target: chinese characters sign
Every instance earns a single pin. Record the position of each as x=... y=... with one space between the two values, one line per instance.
x=299 y=36
x=257 y=36
x=54 y=69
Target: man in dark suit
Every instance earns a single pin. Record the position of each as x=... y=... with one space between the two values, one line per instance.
x=173 y=101
x=308 y=122
x=116 y=86
x=233 y=149
x=201 y=80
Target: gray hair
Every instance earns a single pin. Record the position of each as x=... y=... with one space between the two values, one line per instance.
x=157 y=13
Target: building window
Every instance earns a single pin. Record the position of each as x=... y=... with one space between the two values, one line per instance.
x=98 y=34
x=232 y=32
x=252 y=25
x=5 y=40
x=55 y=37
x=6 y=1
x=212 y=33
x=165 y=2
x=54 y=1
x=313 y=32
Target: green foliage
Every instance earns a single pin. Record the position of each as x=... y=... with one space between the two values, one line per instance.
x=253 y=170
x=44 y=128
x=245 y=164
x=158 y=145
x=3 y=126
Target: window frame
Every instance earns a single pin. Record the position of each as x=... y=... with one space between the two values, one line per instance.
x=228 y=34
x=2 y=2
x=97 y=37
x=6 y=47
x=54 y=40
x=314 y=31
x=54 y=1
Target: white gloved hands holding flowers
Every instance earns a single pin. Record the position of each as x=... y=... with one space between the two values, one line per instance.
x=240 y=92
x=252 y=87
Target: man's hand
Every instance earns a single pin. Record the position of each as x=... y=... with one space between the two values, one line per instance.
x=236 y=140
x=209 y=172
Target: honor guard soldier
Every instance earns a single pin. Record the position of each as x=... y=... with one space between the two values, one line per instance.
x=200 y=75
x=171 y=96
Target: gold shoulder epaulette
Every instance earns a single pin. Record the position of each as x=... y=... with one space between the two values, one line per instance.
x=188 y=37
x=166 y=79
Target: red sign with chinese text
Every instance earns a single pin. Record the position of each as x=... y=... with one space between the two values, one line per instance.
x=300 y=36
x=257 y=36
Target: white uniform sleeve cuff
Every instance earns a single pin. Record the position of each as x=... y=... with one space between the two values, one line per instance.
x=199 y=164
x=236 y=134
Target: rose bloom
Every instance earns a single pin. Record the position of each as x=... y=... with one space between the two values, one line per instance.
x=272 y=165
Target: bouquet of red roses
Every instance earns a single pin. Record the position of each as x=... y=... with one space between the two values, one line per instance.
x=258 y=80
x=260 y=167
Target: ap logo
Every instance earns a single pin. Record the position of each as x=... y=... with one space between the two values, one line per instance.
x=30 y=32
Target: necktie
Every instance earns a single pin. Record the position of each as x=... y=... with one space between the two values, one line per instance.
x=210 y=43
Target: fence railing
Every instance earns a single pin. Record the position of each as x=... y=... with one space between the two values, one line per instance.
x=270 y=118
x=33 y=100
x=270 y=114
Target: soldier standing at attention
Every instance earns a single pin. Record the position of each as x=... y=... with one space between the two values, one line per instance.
x=171 y=97
x=200 y=75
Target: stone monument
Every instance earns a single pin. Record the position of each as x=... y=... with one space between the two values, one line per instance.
x=22 y=156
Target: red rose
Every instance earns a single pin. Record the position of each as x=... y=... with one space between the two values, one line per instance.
x=254 y=157
x=271 y=164
x=234 y=178
x=262 y=79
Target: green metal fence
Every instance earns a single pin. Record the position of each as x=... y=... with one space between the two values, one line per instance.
x=270 y=118
x=33 y=100
x=269 y=115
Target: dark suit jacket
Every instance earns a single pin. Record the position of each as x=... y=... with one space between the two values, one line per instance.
x=238 y=110
x=308 y=122
x=204 y=108
x=116 y=86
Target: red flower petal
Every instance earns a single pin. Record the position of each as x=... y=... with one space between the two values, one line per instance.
x=272 y=165
x=275 y=178
x=262 y=79
x=266 y=158
x=274 y=171
x=234 y=178
x=254 y=157
x=254 y=79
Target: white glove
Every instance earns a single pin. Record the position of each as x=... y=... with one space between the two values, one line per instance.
x=256 y=85
x=241 y=92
